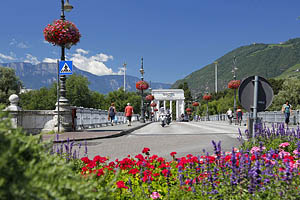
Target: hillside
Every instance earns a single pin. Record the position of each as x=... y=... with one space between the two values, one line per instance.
x=44 y=74
x=266 y=60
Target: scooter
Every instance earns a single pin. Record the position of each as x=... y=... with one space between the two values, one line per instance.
x=163 y=120
x=168 y=118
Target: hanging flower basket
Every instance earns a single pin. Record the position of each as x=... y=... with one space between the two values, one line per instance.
x=188 y=110
x=149 y=97
x=142 y=85
x=195 y=104
x=62 y=33
x=155 y=109
x=234 y=84
x=207 y=97
x=153 y=104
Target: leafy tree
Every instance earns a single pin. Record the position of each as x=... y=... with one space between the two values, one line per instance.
x=290 y=91
x=78 y=92
x=187 y=93
x=98 y=100
x=121 y=98
x=42 y=99
x=9 y=84
x=276 y=84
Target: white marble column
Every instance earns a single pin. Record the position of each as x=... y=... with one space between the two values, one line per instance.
x=171 y=106
x=177 y=109
x=182 y=106
x=164 y=105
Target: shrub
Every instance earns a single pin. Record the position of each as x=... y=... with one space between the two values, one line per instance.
x=27 y=171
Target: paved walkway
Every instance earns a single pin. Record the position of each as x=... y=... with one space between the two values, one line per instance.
x=95 y=133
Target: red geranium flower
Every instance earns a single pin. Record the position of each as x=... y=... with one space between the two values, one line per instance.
x=121 y=184
x=145 y=150
x=86 y=160
x=173 y=153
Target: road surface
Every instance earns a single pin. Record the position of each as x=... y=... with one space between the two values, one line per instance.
x=181 y=137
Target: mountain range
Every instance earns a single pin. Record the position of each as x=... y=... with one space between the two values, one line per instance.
x=44 y=74
x=267 y=60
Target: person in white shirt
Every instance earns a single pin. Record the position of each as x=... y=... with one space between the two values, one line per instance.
x=229 y=115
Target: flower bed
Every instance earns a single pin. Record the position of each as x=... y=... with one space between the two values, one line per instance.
x=262 y=169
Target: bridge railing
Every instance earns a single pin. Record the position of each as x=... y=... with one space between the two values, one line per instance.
x=267 y=116
x=94 y=118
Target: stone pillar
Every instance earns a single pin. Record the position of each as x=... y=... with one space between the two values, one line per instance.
x=157 y=106
x=14 y=110
x=182 y=106
x=171 y=106
x=164 y=105
x=177 y=110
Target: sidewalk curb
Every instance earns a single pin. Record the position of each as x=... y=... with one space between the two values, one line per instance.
x=118 y=134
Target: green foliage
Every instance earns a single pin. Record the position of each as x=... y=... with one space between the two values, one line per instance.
x=9 y=84
x=42 y=99
x=267 y=60
x=276 y=84
x=27 y=171
x=290 y=91
x=78 y=92
x=121 y=98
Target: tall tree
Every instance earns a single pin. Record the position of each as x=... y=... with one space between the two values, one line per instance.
x=290 y=91
x=187 y=93
x=9 y=84
x=78 y=92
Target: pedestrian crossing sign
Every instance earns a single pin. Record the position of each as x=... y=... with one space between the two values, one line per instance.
x=65 y=68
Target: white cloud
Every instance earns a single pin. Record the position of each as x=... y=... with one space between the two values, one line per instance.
x=31 y=59
x=81 y=51
x=94 y=64
x=6 y=57
x=21 y=45
x=50 y=60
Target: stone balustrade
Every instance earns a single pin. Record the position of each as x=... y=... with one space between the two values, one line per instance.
x=37 y=121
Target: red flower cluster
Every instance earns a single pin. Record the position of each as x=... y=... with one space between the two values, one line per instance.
x=234 y=84
x=142 y=85
x=155 y=109
x=188 y=110
x=207 y=97
x=62 y=32
x=195 y=104
x=149 y=97
x=153 y=104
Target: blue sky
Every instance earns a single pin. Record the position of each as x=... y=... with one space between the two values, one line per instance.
x=175 y=37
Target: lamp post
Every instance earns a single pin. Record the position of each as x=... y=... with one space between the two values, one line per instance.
x=234 y=78
x=63 y=103
x=216 y=76
x=124 y=67
x=142 y=102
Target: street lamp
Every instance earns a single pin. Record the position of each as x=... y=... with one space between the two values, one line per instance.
x=234 y=68
x=142 y=79
x=63 y=103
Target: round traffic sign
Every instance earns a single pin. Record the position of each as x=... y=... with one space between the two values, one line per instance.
x=246 y=93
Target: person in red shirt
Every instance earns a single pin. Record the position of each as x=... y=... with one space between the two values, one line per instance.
x=128 y=113
x=239 y=115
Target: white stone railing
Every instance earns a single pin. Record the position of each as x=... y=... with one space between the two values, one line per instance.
x=268 y=116
x=93 y=118
x=37 y=121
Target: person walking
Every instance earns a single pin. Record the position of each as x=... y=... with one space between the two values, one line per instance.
x=112 y=113
x=229 y=115
x=287 y=111
x=239 y=115
x=128 y=113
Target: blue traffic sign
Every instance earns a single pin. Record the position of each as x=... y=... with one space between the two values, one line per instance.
x=65 y=68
